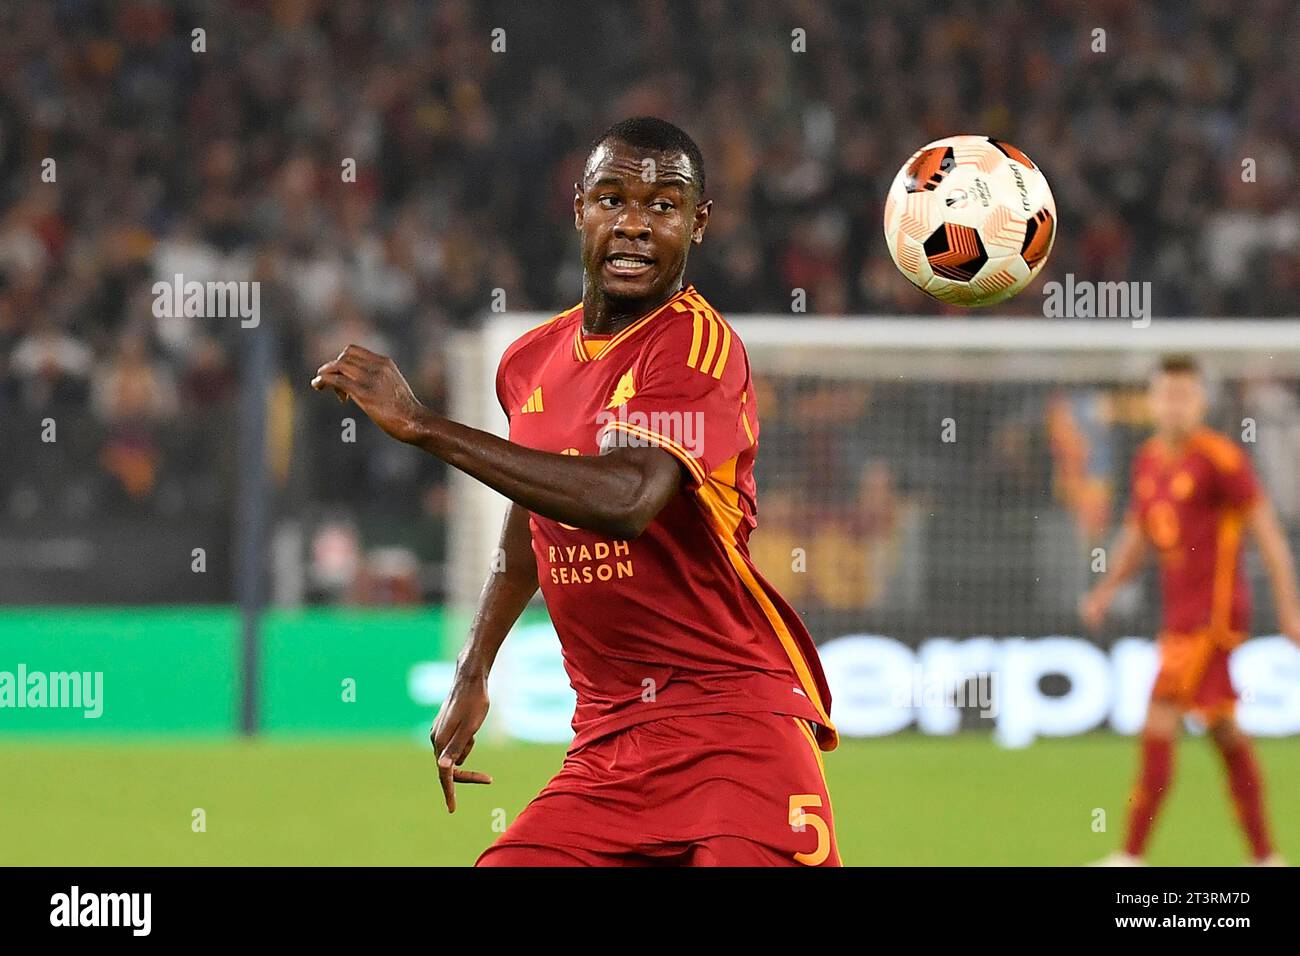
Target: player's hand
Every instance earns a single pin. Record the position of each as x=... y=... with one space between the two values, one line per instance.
x=453 y=734
x=1093 y=608
x=375 y=384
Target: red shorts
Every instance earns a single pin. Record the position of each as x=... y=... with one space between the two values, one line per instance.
x=1194 y=675
x=698 y=790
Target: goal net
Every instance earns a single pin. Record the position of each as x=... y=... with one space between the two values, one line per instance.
x=920 y=479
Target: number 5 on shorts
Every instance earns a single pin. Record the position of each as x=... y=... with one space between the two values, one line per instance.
x=799 y=819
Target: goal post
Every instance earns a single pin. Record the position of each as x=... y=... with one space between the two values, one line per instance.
x=926 y=477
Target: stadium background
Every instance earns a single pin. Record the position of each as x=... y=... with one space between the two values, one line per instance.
x=332 y=560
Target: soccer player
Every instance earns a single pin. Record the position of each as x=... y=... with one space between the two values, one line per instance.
x=702 y=710
x=1193 y=495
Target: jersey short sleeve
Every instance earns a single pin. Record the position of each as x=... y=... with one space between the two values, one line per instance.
x=1236 y=476
x=503 y=393
x=511 y=382
x=688 y=394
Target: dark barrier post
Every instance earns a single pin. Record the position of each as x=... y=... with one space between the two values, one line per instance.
x=251 y=509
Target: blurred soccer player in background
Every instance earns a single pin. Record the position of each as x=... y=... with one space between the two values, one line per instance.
x=1193 y=495
x=702 y=708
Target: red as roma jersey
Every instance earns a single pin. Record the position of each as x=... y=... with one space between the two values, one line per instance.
x=676 y=621
x=1192 y=505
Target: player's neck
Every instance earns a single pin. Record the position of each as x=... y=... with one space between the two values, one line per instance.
x=602 y=315
x=1176 y=442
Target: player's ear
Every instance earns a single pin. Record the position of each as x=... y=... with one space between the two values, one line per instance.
x=577 y=205
x=701 y=220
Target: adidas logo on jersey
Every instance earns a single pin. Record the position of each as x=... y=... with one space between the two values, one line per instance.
x=534 y=403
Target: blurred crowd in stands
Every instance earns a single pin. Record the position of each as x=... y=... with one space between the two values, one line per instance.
x=128 y=156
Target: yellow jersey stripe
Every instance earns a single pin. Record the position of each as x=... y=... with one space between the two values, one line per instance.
x=726 y=348
x=717 y=369
x=718 y=512
x=721 y=500
x=698 y=333
x=783 y=634
x=812 y=741
x=719 y=338
x=1225 y=573
x=713 y=343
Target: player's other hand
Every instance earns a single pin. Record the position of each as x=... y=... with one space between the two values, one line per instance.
x=1093 y=608
x=453 y=734
x=375 y=384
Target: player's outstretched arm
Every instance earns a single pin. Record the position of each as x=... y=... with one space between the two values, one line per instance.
x=1275 y=551
x=617 y=493
x=507 y=591
x=1130 y=552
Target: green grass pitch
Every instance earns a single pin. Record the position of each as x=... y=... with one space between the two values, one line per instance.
x=905 y=800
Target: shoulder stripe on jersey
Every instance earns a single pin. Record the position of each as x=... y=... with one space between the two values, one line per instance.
x=724 y=351
x=1225 y=454
x=709 y=331
x=706 y=364
x=696 y=335
x=721 y=326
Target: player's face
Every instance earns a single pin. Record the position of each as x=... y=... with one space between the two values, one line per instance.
x=1177 y=401
x=638 y=217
